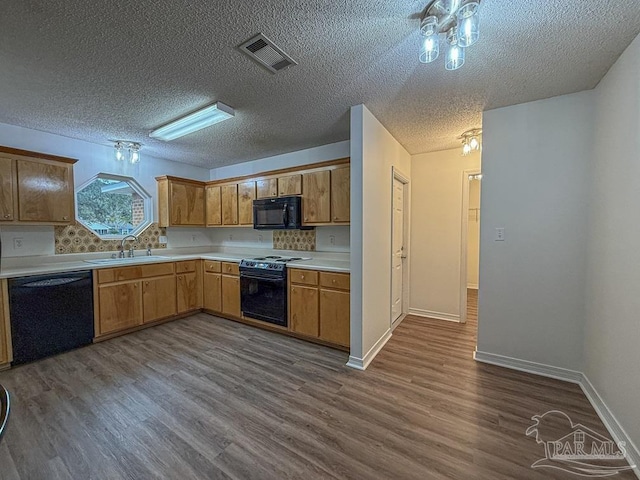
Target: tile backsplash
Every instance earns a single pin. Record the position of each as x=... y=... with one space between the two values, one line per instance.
x=302 y=240
x=79 y=239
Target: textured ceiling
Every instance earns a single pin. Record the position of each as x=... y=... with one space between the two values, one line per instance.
x=97 y=70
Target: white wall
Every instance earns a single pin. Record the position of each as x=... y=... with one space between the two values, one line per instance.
x=612 y=330
x=473 y=235
x=92 y=159
x=436 y=231
x=332 y=151
x=535 y=184
x=374 y=152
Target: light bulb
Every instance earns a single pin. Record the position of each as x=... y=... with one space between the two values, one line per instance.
x=474 y=144
x=469 y=24
x=134 y=153
x=455 y=54
x=466 y=149
x=119 y=152
x=429 y=44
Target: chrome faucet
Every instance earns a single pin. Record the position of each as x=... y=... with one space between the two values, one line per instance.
x=131 y=250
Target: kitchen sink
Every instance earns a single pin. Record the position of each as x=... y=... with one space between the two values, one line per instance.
x=119 y=261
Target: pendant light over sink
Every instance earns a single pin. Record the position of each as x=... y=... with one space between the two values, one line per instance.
x=457 y=22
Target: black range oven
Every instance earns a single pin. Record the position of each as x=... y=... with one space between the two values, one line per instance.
x=263 y=290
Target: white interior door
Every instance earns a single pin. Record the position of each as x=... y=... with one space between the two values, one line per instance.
x=397 y=249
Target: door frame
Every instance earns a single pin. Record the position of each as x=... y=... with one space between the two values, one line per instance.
x=464 y=237
x=404 y=179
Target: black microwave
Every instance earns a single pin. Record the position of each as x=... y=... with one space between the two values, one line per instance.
x=282 y=213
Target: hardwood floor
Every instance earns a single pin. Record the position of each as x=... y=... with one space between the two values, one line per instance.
x=209 y=398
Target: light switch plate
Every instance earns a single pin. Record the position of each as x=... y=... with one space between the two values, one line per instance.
x=499 y=234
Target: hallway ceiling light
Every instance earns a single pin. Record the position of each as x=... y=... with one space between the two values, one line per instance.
x=471 y=140
x=455 y=20
x=193 y=122
x=129 y=151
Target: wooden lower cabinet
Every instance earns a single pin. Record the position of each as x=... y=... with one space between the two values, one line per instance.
x=212 y=291
x=158 y=298
x=231 y=295
x=5 y=329
x=120 y=306
x=303 y=310
x=319 y=304
x=335 y=317
x=188 y=292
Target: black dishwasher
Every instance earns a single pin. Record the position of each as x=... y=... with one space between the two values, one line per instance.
x=50 y=314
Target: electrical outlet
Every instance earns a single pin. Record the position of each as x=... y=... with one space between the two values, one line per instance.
x=332 y=239
x=17 y=243
x=162 y=239
x=499 y=234
x=230 y=236
x=193 y=239
x=260 y=238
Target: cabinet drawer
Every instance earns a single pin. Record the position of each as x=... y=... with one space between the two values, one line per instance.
x=230 y=268
x=157 y=270
x=187 y=266
x=108 y=275
x=339 y=281
x=305 y=277
x=212 y=266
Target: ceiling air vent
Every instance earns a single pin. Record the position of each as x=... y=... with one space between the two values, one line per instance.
x=265 y=52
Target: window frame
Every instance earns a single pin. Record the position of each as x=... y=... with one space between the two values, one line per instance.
x=135 y=186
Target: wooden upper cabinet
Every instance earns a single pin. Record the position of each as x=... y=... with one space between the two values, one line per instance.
x=214 y=206
x=341 y=194
x=246 y=196
x=187 y=204
x=7 y=189
x=316 y=201
x=45 y=191
x=229 y=204
x=291 y=185
x=267 y=188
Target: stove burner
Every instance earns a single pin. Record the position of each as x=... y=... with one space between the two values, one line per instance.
x=268 y=257
x=285 y=260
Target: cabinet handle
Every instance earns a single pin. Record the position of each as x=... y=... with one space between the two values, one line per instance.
x=302 y=277
x=333 y=281
x=135 y=285
x=7 y=215
x=335 y=218
x=146 y=283
x=179 y=277
x=65 y=218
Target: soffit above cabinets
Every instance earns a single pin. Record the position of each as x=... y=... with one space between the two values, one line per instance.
x=98 y=70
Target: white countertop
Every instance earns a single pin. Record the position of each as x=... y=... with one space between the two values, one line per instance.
x=59 y=264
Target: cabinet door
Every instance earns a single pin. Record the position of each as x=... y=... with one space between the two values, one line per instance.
x=7 y=189
x=246 y=196
x=158 y=298
x=334 y=317
x=188 y=292
x=304 y=310
x=45 y=191
x=291 y=185
x=231 y=295
x=267 y=188
x=230 y=205
x=120 y=307
x=187 y=204
x=4 y=324
x=214 y=206
x=212 y=291
x=316 y=205
x=341 y=194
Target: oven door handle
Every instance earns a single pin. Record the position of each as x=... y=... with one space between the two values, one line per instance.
x=266 y=279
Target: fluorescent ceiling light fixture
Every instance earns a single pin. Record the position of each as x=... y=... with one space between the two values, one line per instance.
x=193 y=122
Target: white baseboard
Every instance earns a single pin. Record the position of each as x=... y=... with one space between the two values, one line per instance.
x=472 y=286
x=529 y=367
x=399 y=320
x=611 y=423
x=363 y=363
x=609 y=420
x=418 y=312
